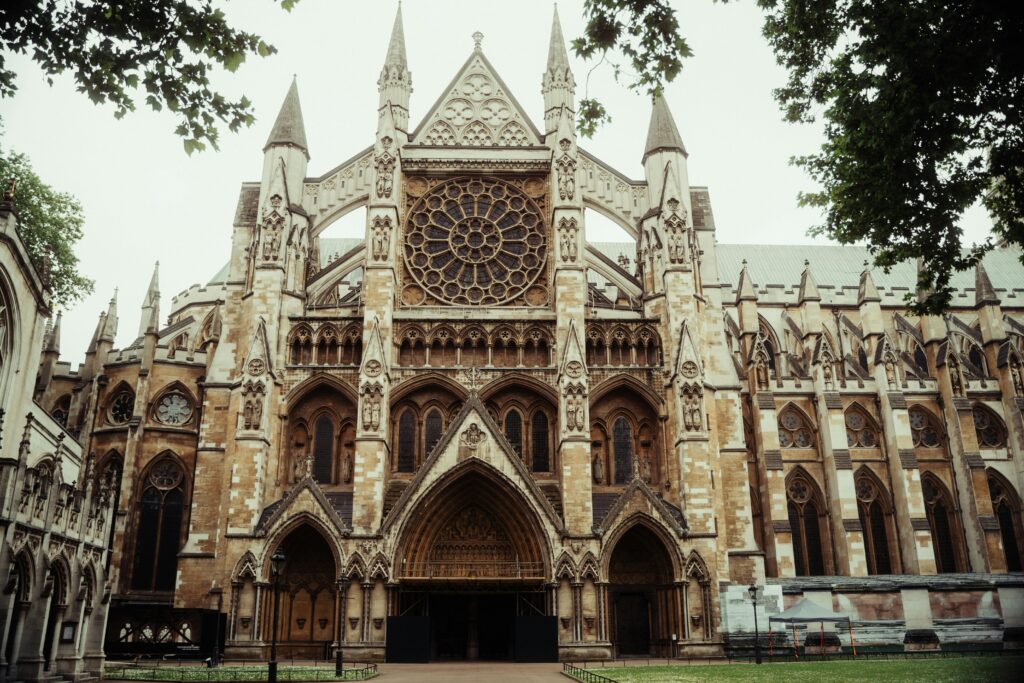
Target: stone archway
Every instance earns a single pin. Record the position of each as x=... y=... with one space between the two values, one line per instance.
x=308 y=598
x=472 y=563
x=643 y=599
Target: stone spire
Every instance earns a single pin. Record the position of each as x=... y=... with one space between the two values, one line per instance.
x=289 y=130
x=53 y=339
x=557 y=85
x=745 y=288
x=395 y=82
x=110 y=321
x=984 y=293
x=808 y=287
x=662 y=133
x=867 y=291
x=151 y=302
x=97 y=334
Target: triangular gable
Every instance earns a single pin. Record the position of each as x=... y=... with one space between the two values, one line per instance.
x=373 y=364
x=476 y=431
x=476 y=110
x=259 y=351
x=687 y=353
x=638 y=488
x=306 y=489
x=573 y=365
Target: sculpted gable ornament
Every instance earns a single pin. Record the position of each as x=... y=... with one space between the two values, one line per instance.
x=384 y=164
x=381 y=237
x=473 y=437
x=565 y=166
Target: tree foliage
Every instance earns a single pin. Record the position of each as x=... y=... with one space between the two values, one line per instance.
x=49 y=224
x=646 y=33
x=119 y=49
x=922 y=105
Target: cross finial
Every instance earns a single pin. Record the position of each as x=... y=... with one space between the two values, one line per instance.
x=477 y=39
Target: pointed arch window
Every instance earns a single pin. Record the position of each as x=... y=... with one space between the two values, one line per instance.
x=541 y=461
x=622 y=444
x=806 y=520
x=1007 y=507
x=407 y=441
x=323 y=450
x=989 y=428
x=158 y=529
x=432 y=428
x=860 y=429
x=61 y=409
x=875 y=520
x=925 y=429
x=514 y=430
x=794 y=431
x=942 y=520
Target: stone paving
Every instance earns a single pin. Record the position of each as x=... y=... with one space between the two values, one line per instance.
x=457 y=672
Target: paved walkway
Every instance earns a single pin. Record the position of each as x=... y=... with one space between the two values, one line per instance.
x=470 y=671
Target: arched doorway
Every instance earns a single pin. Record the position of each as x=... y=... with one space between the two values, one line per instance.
x=308 y=595
x=56 y=588
x=643 y=599
x=472 y=570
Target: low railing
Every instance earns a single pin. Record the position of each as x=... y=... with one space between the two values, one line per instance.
x=173 y=674
x=459 y=569
x=585 y=675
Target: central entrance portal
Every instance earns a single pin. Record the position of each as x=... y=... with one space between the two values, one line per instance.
x=472 y=625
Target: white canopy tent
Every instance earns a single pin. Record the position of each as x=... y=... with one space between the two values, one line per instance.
x=807 y=612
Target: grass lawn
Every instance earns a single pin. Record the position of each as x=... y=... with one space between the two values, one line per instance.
x=224 y=673
x=973 y=669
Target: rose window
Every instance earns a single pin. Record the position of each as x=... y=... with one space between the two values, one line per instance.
x=475 y=242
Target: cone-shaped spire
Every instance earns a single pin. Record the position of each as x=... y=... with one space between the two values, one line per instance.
x=151 y=302
x=288 y=128
x=153 y=322
x=396 y=48
x=662 y=133
x=808 y=287
x=53 y=340
x=984 y=293
x=745 y=289
x=97 y=333
x=558 y=58
x=867 y=291
x=110 y=323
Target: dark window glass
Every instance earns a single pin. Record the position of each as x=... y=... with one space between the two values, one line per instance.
x=920 y=360
x=622 y=440
x=158 y=530
x=798 y=540
x=514 y=431
x=406 y=442
x=170 y=533
x=942 y=538
x=433 y=428
x=323 y=450
x=541 y=461
x=977 y=358
x=880 y=540
x=146 y=534
x=812 y=530
x=1006 y=530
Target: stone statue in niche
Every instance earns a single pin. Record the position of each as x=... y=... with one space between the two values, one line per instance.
x=1017 y=378
x=346 y=466
x=761 y=374
x=955 y=380
x=566 y=167
x=385 y=167
x=381 y=238
x=645 y=469
x=372 y=394
x=693 y=414
x=890 y=373
x=597 y=468
x=567 y=229
x=826 y=373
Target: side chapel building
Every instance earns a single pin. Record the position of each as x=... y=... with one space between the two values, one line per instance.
x=475 y=417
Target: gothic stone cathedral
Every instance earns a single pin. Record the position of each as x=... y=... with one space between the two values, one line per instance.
x=476 y=434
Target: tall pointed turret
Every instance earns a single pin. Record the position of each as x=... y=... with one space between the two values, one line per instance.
x=289 y=129
x=808 y=287
x=151 y=302
x=867 y=291
x=984 y=292
x=110 y=322
x=662 y=133
x=558 y=84
x=53 y=340
x=395 y=82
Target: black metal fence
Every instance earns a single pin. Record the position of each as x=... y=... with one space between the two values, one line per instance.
x=585 y=675
x=183 y=674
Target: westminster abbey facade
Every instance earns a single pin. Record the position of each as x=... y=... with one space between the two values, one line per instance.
x=475 y=434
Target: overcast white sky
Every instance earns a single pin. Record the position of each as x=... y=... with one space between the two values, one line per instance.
x=145 y=200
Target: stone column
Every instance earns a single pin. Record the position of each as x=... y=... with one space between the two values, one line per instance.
x=773 y=494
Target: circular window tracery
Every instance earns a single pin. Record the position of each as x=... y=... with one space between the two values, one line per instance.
x=475 y=242
x=122 y=407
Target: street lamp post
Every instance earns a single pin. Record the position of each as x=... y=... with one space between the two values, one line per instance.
x=757 y=636
x=277 y=562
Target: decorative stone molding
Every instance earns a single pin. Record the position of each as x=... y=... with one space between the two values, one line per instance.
x=841 y=456
x=908 y=458
x=773 y=460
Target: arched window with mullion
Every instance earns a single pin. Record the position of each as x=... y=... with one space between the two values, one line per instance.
x=942 y=521
x=514 y=430
x=406 y=441
x=158 y=527
x=323 y=450
x=541 y=450
x=622 y=444
x=1007 y=507
x=875 y=518
x=805 y=522
x=433 y=425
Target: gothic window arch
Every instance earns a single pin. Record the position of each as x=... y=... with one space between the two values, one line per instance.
x=406 y=439
x=324 y=439
x=540 y=442
x=328 y=345
x=474 y=348
x=514 y=430
x=121 y=407
x=61 y=409
x=647 y=347
x=795 y=430
x=808 y=519
x=925 y=428
x=174 y=406
x=7 y=336
x=504 y=349
x=876 y=518
x=433 y=426
x=622 y=449
x=413 y=351
x=597 y=353
x=352 y=346
x=1006 y=505
x=536 y=349
x=944 y=524
x=301 y=345
x=990 y=430
x=861 y=429
x=159 y=513
x=771 y=344
x=621 y=347
x=442 y=348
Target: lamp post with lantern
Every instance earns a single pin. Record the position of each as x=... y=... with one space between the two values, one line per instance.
x=277 y=564
x=753 y=591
